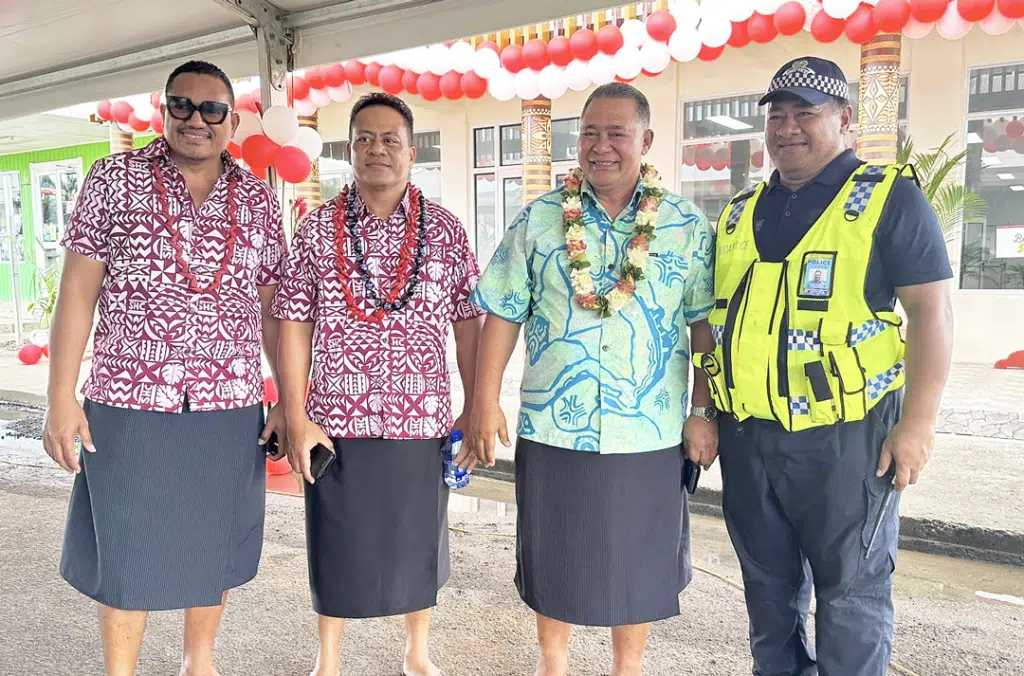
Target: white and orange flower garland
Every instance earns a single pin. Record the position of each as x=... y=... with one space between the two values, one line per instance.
x=636 y=255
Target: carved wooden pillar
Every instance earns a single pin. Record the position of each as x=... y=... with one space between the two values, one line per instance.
x=310 y=188
x=879 y=115
x=536 y=139
x=120 y=141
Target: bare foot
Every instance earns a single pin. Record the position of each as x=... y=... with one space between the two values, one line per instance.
x=419 y=668
x=193 y=671
x=323 y=668
x=551 y=667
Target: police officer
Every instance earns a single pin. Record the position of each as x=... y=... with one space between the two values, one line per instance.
x=810 y=370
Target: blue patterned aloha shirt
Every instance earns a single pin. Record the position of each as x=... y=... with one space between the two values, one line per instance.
x=607 y=385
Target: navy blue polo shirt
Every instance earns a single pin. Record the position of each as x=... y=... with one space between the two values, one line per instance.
x=909 y=248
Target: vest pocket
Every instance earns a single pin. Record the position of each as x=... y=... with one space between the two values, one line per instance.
x=843 y=363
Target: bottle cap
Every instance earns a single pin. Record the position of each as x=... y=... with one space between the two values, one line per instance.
x=456 y=435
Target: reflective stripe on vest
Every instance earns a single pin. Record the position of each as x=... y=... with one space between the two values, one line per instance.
x=796 y=341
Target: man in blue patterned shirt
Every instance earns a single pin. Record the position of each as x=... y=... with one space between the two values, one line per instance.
x=608 y=274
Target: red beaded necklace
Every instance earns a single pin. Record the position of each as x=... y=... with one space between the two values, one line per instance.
x=179 y=251
x=344 y=209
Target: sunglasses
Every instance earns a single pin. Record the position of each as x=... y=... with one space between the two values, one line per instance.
x=212 y=112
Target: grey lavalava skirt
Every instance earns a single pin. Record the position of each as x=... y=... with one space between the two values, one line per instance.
x=168 y=513
x=377 y=529
x=602 y=540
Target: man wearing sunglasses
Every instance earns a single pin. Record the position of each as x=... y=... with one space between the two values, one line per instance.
x=182 y=248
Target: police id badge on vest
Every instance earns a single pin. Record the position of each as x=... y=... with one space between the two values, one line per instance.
x=816 y=275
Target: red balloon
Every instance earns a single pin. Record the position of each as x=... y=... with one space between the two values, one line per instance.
x=373 y=73
x=156 y=122
x=473 y=85
x=990 y=147
x=246 y=102
x=257 y=100
x=410 y=81
x=121 y=111
x=1003 y=143
x=103 y=110
x=560 y=51
x=975 y=10
x=278 y=467
x=535 y=54
x=391 y=79
x=609 y=39
x=292 y=165
x=761 y=28
x=259 y=151
x=512 y=58
x=689 y=156
x=333 y=75
x=429 y=86
x=30 y=353
x=740 y=35
x=1015 y=128
x=584 y=44
x=825 y=28
x=299 y=88
x=723 y=155
x=137 y=124
x=259 y=172
x=314 y=78
x=270 y=395
x=860 y=27
x=355 y=72
x=703 y=164
x=790 y=18
x=928 y=11
x=234 y=150
x=1011 y=9
x=661 y=25
x=154 y=99
x=46 y=351
x=757 y=159
x=491 y=45
x=623 y=80
x=451 y=85
x=719 y=165
x=710 y=53
x=891 y=15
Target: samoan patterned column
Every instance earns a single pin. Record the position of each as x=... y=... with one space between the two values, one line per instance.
x=536 y=144
x=120 y=140
x=310 y=188
x=879 y=115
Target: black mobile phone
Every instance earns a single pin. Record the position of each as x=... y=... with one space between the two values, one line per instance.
x=320 y=459
x=272 y=446
x=691 y=475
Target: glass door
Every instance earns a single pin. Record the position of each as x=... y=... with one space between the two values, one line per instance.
x=12 y=245
x=497 y=199
x=55 y=187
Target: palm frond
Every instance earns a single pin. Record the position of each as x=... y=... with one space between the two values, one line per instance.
x=955 y=205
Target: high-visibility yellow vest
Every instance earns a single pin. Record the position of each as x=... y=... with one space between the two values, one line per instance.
x=796 y=341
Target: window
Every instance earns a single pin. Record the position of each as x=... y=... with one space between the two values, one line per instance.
x=511 y=145
x=565 y=136
x=996 y=88
x=336 y=169
x=992 y=249
x=12 y=238
x=722 y=152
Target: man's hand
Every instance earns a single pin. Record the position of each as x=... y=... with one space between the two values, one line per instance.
x=700 y=438
x=909 y=445
x=303 y=435
x=65 y=418
x=274 y=425
x=466 y=460
x=486 y=421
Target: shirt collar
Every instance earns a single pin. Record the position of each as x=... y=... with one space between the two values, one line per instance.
x=835 y=172
x=625 y=222
x=403 y=207
x=160 y=149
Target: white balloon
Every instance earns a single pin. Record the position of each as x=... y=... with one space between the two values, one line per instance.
x=655 y=56
x=714 y=30
x=386 y=59
x=280 y=124
x=684 y=45
x=39 y=337
x=915 y=30
x=319 y=97
x=551 y=82
x=634 y=33
x=438 y=60
x=952 y=26
x=461 y=57
x=502 y=85
x=144 y=111
x=811 y=7
x=576 y=75
x=739 y=10
x=840 y=9
x=419 y=60
x=601 y=69
x=627 y=63
x=686 y=13
x=340 y=94
x=996 y=23
x=486 y=63
x=305 y=108
x=527 y=84
x=767 y=7
x=249 y=124
x=309 y=142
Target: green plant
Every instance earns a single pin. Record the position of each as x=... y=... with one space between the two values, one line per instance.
x=48 y=282
x=953 y=203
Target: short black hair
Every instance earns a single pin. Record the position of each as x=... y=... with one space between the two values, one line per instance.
x=621 y=90
x=383 y=100
x=201 y=68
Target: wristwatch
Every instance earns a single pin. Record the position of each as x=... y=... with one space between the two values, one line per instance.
x=709 y=413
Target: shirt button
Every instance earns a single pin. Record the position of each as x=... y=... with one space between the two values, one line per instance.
x=611 y=266
x=788 y=213
x=606 y=348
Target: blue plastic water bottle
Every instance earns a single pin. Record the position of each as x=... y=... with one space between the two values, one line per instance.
x=454 y=477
